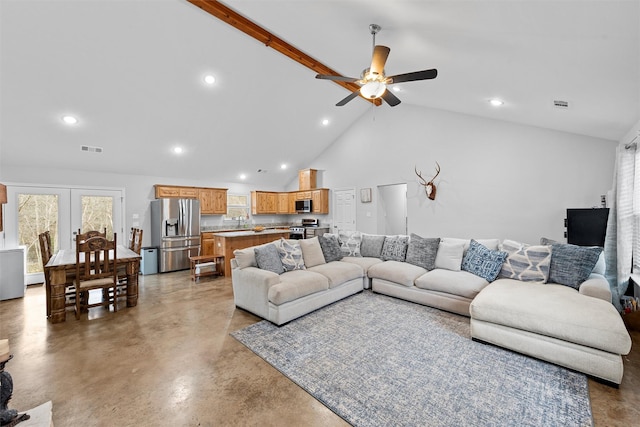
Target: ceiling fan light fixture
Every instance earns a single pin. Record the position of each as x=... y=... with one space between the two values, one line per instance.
x=373 y=89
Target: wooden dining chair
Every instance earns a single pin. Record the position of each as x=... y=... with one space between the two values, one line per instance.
x=96 y=268
x=91 y=233
x=135 y=244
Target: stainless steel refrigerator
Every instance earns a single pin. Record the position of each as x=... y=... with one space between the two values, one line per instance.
x=175 y=231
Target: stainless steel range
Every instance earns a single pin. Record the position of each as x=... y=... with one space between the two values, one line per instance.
x=310 y=227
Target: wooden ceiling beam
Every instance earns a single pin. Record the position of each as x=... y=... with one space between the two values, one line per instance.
x=233 y=18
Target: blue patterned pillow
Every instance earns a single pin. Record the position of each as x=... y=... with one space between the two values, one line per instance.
x=267 y=258
x=483 y=262
x=570 y=264
x=291 y=256
x=394 y=248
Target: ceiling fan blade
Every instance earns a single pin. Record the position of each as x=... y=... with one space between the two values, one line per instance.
x=348 y=98
x=336 y=78
x=380 y=54
x=390 y=98
x=410 y=77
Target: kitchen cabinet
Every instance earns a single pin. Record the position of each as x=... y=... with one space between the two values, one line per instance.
x=292 y=203
x=283 y=203
x=320 y=201
x=213 y=201
x=307 y=179
x=264 y=202
x=169 y=191
x=303 y=195
x=211 y=245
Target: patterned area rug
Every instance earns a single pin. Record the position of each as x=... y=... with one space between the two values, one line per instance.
x=380 y=361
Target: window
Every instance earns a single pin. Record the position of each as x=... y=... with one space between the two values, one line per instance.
x=237 y=207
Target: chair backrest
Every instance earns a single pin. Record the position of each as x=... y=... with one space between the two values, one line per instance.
x=96 y=257
x=135 y=240
x=46 y=251
x=89 y=234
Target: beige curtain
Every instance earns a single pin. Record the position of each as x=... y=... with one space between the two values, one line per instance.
x=622 y=244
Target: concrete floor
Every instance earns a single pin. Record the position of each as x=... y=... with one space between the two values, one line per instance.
x=171 y=361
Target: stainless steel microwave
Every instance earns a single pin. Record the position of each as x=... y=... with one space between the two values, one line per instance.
x=303 y=206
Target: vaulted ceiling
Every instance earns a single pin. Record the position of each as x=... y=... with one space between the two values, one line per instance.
x=132 y=72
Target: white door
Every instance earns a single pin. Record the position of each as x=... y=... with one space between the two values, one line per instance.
x=344 y=210
x=33 y=210
x=94 y=209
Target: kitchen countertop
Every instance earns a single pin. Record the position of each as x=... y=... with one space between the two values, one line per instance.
x=250 y=232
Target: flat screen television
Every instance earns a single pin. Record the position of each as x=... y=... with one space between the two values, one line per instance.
x=587 y=227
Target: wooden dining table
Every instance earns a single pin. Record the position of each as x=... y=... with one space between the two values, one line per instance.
x=63 y=263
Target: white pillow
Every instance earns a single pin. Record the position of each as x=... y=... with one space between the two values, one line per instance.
x=449 y=256
x=312 y=252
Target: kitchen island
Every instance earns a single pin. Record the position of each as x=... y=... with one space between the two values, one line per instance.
x=225 y=242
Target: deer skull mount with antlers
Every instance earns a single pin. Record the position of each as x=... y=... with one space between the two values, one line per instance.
x=429 y=187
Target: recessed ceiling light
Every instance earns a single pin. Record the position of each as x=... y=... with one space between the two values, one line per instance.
x=325 y=122
x=209 y=79
x=283 y=166
x=496 y=102
x=243 y=176
x=70 y=120
x=178 y=150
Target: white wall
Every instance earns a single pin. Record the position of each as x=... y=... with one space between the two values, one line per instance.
x=139 y=191
x=498 y=179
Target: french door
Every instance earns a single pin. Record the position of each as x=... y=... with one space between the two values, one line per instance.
x=62 y=211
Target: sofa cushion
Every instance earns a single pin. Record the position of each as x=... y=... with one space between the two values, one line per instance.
x=482 y=261
x=553 y=310
x=338 y=272
x=449 y=255
x=330 y=248
x=570 y=264
x=364 y=262
x=461 y=283
x=297 y=284
x=312 y=252
x=268 y=258
x=350 y=243
x=398 y=272
x=394 y=248
x=526 y=263
x=247 y=257
x=422 y=251
x=371 y=245
x=291 y=255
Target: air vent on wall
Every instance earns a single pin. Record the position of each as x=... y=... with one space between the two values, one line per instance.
x=561 y=104
x=91 y=149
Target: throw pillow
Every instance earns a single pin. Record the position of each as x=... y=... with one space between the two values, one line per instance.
x=291 y=255
x=312 y=252
x=570 y=264
x=526 y=263
x=449 y=256
x=394 y=248
x=422 y=251
x=371 y=245
x=330 y=248
x=483 y=262
x=350 y=242
x=267 y=258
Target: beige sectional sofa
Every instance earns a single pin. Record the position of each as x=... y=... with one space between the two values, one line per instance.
x=573 y=325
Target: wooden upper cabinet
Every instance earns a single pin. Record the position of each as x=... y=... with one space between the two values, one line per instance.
x=307 y=179
x=303 y=195
x=169 y=191
x=283 y=203
x=213 y=201
x=320 y=201
x=292 y=203
x=264 y=202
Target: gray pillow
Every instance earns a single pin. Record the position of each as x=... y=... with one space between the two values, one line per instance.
x=422 y=251
x=371 y=245
x=330 y=248
x=268 y=258
x=394 y=248
x=570 y=264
